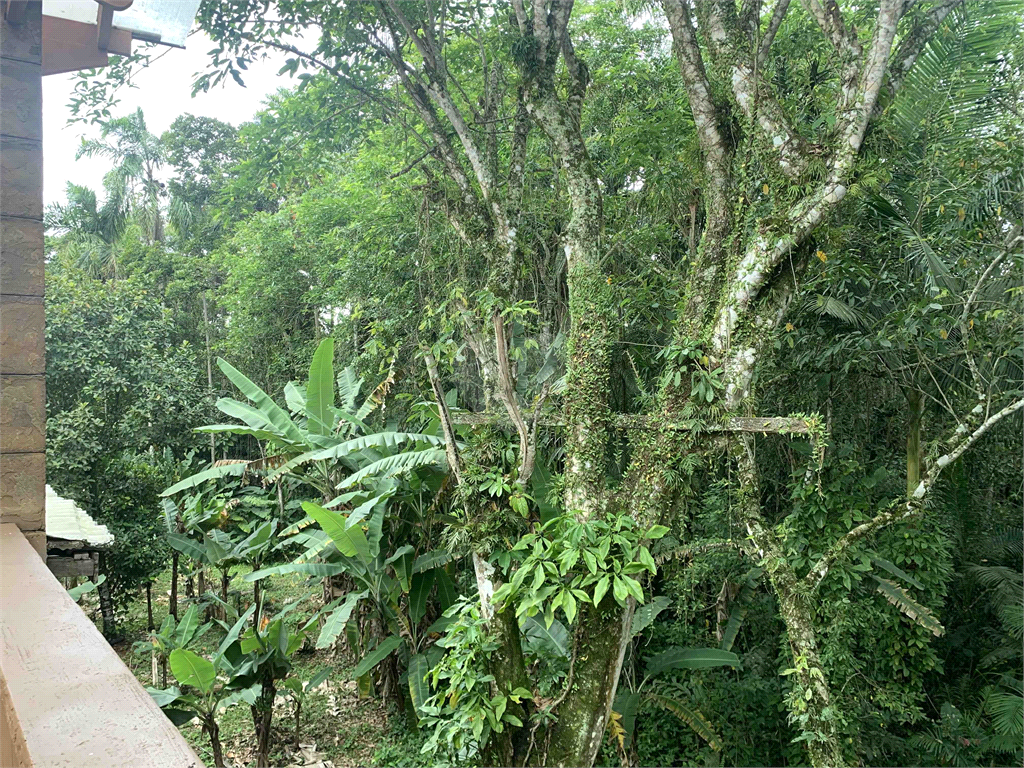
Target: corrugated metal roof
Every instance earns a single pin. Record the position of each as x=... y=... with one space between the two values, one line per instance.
x=66 y=520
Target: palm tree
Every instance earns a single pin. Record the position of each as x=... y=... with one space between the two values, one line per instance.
x=137 y=155
x=91 y=234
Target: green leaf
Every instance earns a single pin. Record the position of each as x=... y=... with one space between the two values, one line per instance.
x=224 y=470
x=690 y=658
x=187 y=626
x=691 y=717
x=909 y=607
x=645 y=614
x=320 y=390
x=431 y=559
x=317 y=679
x=619 y=590
x=555 y=639
x=627 y=704
x=233 y=633
x=192 y=669
x=75 y=593
x=323 y=570
x=897 y=572
x=188 y=547
x=335 y=623
x=273 y=413
x=740 y=607
x=419 y=691
x=656 y=532
x=350 y=541
x=377 y=655
x=600 y=589
x=163 y=696
x=421 y=586
x=447 y=594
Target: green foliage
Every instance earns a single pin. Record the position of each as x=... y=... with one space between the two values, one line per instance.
x=568 y=561
x=462 y=709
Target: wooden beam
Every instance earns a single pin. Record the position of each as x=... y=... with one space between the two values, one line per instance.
x=763 y=424
x=14 y=11
x=105 y=18
x=69 y=46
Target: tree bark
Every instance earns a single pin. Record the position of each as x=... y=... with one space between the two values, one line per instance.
x=107 y=607
x=915 y=450
x=149 y=606
x=213 y=731
x=262 y=717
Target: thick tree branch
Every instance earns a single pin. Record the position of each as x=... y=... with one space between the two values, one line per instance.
x=751 y=424
x=935 y=467
x=902 y=511
x=915 y=40
x=778 y=14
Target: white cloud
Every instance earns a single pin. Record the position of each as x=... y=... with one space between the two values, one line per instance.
x=164 y=92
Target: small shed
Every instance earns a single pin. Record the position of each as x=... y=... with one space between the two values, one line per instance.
x=73 y=539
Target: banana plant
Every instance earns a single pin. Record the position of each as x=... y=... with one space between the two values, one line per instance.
x=298 y=691
x=667 y=695
x=207 y=686
x=313 y=440
x=268 y=647
x=390 y=593
x=173 y=635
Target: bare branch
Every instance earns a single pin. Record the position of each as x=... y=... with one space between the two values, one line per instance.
x=902 y=511
x=946 y=459
x=916 y=39
x=778 y=14
x=451 y=449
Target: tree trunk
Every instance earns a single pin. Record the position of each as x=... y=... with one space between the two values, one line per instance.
x=810 y=701
x=174 y=585
x=262 y=716
x=915 y=451
x=213 y=731
x=155 y=668
x=107 y=608
x=225 y=582
x=298 y=721
x=149 y=606
x=603 y=634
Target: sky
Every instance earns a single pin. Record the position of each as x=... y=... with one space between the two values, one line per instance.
x=164 y=92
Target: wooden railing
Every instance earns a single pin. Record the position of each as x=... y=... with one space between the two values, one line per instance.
x=66 y=697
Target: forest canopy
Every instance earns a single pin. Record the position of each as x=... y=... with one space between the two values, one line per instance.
x=633 y=384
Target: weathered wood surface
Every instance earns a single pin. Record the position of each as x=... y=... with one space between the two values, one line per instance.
x=764 y=424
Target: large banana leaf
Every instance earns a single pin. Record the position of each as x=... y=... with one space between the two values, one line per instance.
x=690 y=658
x=355 y=445
x=691 y=717
x=215 y=473
x=909 y=607
x=320 y=390
x=377 y=655
x=421 y=586
x=741 y=605
x=273 y=413
x=192 y=669
x=419 y=690
x=321 y=570
x=335 y=623
x=645 y=614
x=391 y=465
